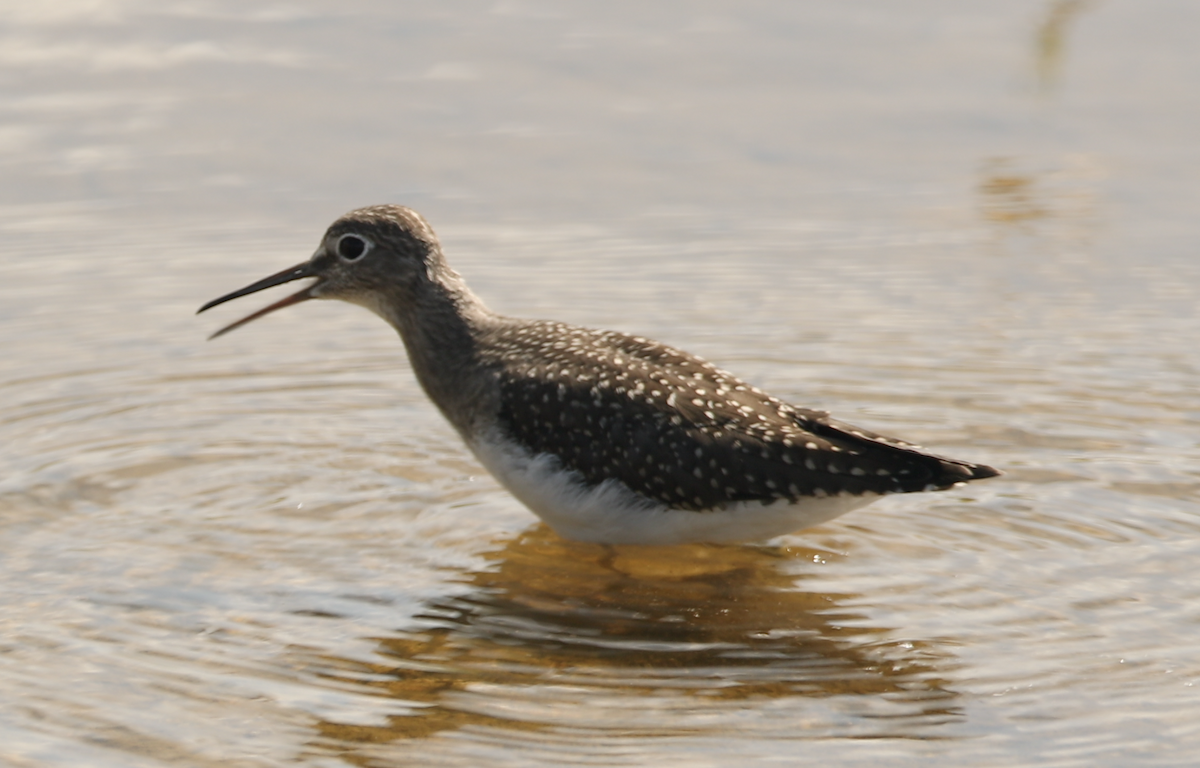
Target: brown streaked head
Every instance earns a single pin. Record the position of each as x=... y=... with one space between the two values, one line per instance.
x=368 y=252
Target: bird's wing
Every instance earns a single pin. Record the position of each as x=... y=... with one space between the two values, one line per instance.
x=676 y=429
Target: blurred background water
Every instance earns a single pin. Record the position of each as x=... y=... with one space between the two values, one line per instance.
x=971 y=224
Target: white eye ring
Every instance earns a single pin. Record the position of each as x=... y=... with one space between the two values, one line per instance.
x=352 y=247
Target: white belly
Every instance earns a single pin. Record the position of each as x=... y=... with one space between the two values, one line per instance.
x=610 y=513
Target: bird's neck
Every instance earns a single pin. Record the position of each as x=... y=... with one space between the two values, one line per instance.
x=442 y=326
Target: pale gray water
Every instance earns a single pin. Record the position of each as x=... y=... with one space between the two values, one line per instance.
x=970 y=224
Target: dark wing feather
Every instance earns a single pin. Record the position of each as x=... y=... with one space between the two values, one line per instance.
x=676 y=429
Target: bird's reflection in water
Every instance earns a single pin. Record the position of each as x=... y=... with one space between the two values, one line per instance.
x=649 y=641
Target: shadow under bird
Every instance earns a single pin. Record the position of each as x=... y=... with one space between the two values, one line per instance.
x=607 y=437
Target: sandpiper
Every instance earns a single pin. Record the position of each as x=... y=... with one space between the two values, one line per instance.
x=607 y=437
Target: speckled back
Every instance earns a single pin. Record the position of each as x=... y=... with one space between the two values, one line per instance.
x=679 y=430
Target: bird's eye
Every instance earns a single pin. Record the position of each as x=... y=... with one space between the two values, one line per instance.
x=352 y=247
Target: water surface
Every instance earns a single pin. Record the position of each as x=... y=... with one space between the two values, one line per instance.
x=968 y=224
